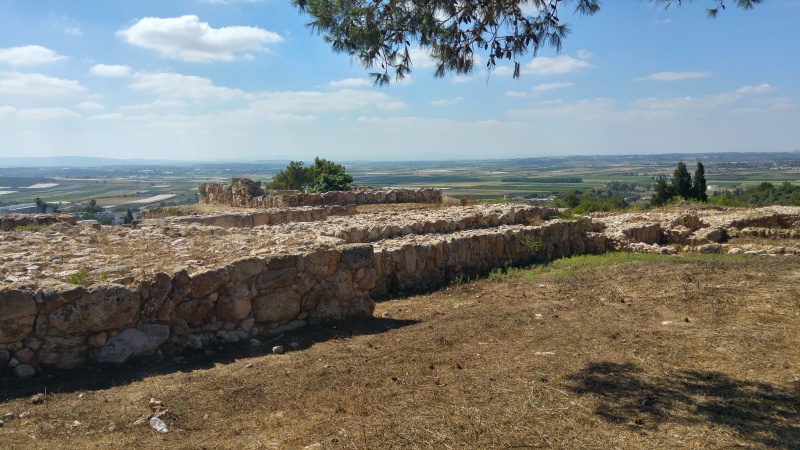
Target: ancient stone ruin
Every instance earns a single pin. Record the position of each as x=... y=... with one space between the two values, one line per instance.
x=246 y=193
x=72 y=294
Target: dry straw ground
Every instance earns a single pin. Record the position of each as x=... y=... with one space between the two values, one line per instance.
x=618 y=351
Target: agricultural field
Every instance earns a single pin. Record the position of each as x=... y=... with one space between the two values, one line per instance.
x=541 y=177
x=154 y=184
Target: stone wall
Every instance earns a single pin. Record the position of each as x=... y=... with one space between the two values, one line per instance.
x=10 y=221
x=246 y=193
x=49 y=323
x=66 y=326
x=248 y=219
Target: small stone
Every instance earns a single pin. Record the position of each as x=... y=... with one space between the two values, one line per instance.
x=278 y=350
x=37 y=399
x=247 y=324
x=13 y=362
x=24 y=415
x=98 y=340
x=294 y=345
x=33 y=344
x=255 y=342
x=155 y=405
x=1 y=424
x=15 y=346
x=24 y=371
x=25 y=356
x=8 y=416
x=248 y=366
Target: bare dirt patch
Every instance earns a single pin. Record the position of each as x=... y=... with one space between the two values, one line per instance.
x=617 y=351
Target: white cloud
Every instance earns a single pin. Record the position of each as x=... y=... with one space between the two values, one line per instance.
x=316 y=102
x=543 y=65
x=185 y=38
x=90 y=106
x=780 y=103
x=516 y=94
x=29 y=55
x=6 y=111
x=462 y=79
x=106 y=70
x=552 y=86
x=683 y=103
x=584 y=54
x=663 y=22
x=447 y=101
x=420 y=58
x=37 y=84
x=349 y=83
x=73 y=31
x=160 y=103
x=674 y=76
x=47 y=114
x=760 y=89
x=583 y=109
x=174 y=85
x=112 y=116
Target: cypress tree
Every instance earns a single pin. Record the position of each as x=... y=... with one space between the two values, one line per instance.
x=699 y=183
x=682 y=182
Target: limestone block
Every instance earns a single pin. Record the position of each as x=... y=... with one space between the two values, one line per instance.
x=321 y=262
x=103 y=307
x=205 y=283
x=274 y=279
x=245 y=268
x=157 y=307
x=234 y=305
x=134 y=342
x=355 y=256
x=64 y=352
x=17 y=314
x=195 y=311
x=278 y=306
x=328 y=310
x=343 y=286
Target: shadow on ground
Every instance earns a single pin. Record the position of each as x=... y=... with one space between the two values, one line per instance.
x=758 y=412
x=99 y=377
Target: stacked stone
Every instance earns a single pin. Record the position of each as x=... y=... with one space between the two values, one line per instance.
x=247 y=193
x=10 y=221
x=66 y=326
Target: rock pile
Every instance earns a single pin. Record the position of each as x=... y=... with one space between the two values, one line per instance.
x=77 y=293
x=246 y=193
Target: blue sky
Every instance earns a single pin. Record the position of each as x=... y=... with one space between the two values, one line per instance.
x=245 y=80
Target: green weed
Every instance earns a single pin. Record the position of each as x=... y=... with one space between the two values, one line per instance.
x=79 y=278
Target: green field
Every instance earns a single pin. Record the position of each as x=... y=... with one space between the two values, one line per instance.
x=119 y=185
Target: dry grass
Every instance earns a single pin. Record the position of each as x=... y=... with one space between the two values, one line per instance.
x=620 y=351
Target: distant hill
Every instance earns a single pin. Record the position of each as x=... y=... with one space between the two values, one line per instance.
x=82 y=161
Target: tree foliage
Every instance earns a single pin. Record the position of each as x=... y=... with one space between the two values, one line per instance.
x=383 y=33
x=762 y=195
x=682 y=182
x=681 y=186
x=322 y=176
x=295 y=177
x=329 y=176
x=699 y=185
